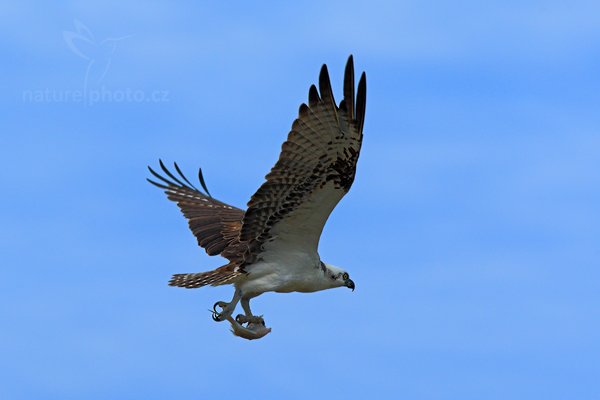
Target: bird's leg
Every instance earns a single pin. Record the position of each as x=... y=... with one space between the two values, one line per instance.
x=248 y=318
x=255 y=326
x=226 y=308
x=246 y=306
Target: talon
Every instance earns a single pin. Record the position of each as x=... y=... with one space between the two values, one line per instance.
x=221 y=304
x=216 y=315
x=254 y=319
x=250 y=320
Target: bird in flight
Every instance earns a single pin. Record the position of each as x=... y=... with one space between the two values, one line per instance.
x=272 y=246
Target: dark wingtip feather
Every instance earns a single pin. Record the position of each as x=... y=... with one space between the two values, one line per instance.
x=157 y=175
x=313 y=95
x=303 y=110
x=349 y=87
x=176 y=181
x=361 y=101
x=160 y=185
x=201 y=179
x=170 y=175
x=325 y=86
x=183 y=176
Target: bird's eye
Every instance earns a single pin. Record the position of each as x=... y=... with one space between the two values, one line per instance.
x=345 y=276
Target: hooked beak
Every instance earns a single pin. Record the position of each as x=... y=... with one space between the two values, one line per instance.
x=349 y=284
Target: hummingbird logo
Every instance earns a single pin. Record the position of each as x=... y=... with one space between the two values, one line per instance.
x=97 y=54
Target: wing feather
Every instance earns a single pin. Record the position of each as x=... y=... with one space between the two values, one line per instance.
x=314 y=171
x=361 y=101
x=216 y=225
x=348 y=102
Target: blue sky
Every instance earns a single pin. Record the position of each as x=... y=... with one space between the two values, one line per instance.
x=471 y=230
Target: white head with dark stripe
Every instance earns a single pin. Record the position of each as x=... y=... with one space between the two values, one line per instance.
x=337 y=277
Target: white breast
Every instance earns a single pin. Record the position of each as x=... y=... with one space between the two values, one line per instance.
x=289 y=261
x=286 y=271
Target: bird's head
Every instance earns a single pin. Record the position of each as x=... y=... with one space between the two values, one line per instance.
x=337 y=276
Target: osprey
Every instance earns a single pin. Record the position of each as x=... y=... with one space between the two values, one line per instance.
x=272 y=245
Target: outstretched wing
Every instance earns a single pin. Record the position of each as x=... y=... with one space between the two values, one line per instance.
x=215 y=224
x=315 y=170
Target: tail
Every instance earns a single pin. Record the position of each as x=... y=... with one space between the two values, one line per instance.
x=220 y=276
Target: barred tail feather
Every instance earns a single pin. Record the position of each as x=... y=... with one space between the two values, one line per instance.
x=219 y=276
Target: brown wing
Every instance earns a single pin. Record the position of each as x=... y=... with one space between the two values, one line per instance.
x=315 y=169
x=215 y=224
